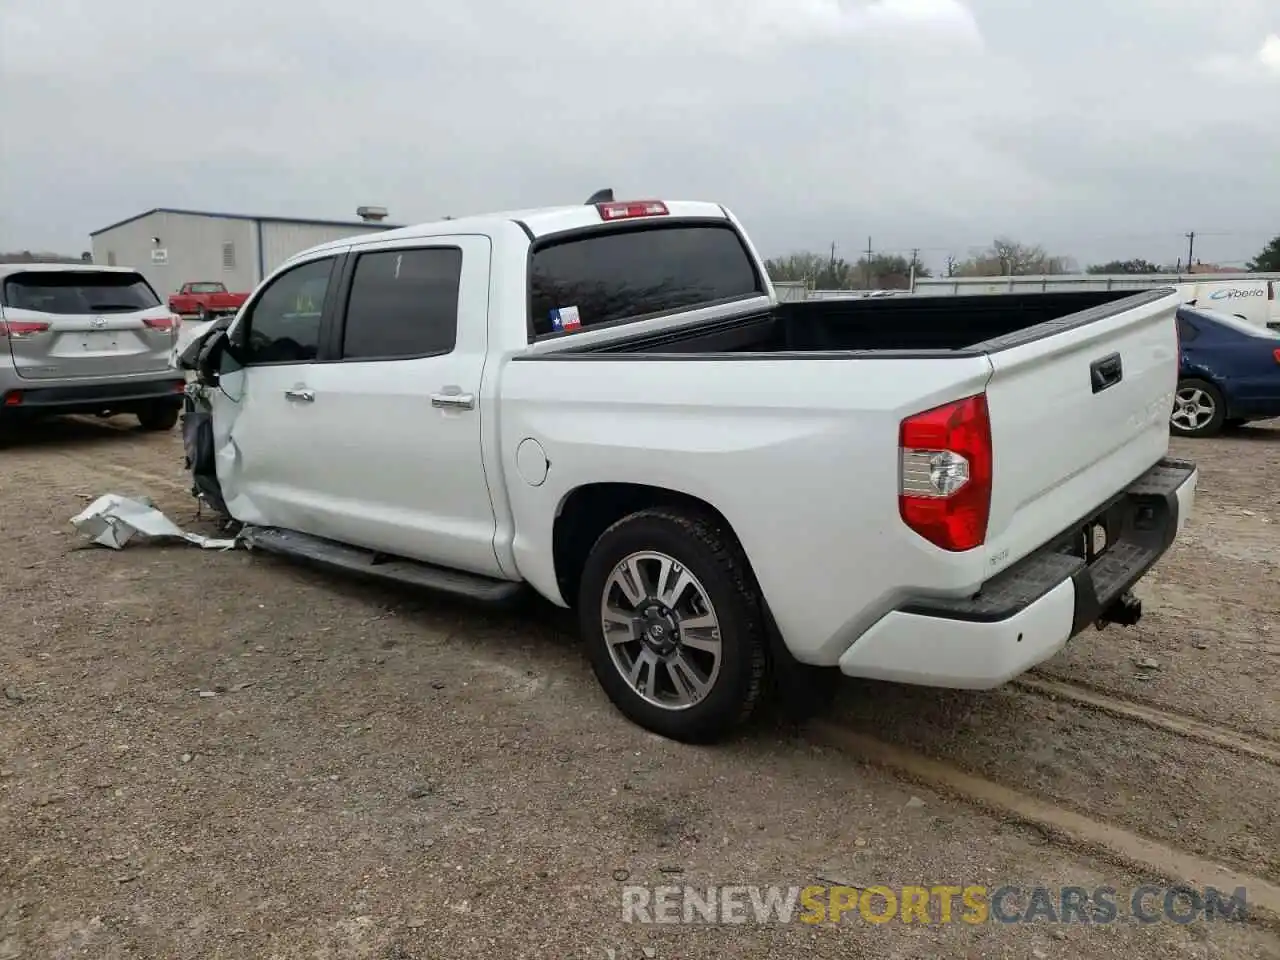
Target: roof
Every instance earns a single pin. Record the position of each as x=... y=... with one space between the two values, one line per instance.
x=537 y=222
x=9 y=269
x=359 y=224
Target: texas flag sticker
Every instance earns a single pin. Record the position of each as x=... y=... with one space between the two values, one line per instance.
x=565 y=318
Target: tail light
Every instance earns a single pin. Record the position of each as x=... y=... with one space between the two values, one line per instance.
x=1276 y=355
x=945 y=493
x=163 y=323
x=21 y=329
x=631 y=209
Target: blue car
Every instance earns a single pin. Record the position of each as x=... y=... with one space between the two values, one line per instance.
x=1229 y=375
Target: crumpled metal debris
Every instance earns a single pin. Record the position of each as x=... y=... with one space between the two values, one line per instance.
x=113 y=520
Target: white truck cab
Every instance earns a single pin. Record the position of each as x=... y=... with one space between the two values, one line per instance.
x=607 y=404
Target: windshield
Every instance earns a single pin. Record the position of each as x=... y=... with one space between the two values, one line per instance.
x=206 y=288
x=78 y=292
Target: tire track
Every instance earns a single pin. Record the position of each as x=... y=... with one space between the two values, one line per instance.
x=1181 y=725
x=125 y=471
x=1060 y=825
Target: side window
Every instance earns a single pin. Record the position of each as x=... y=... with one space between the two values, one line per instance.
x=283 y=326
x=403 y=303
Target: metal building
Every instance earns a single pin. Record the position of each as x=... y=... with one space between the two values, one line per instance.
x=172 y=247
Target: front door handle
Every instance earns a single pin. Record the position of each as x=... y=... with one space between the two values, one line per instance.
x=454 y=401
x=303 y=396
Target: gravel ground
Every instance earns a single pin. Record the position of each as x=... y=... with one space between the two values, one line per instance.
x=225 y=755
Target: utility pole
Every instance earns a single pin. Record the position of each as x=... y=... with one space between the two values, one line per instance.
x=1191 y=249
x=951 y=265
x=915 y=254
x=831 y=268
x=868 y=270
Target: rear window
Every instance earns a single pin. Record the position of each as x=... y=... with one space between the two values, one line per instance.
x=638 y=272
x=79 y=291
x=206 y=288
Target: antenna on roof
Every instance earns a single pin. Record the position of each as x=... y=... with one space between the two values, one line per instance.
x=601 y=196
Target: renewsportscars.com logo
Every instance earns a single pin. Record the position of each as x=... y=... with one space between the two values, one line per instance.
x=933 y=904
x=1235 y=294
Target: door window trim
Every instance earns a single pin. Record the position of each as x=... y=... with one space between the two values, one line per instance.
x=342 y=300
x=245 y=322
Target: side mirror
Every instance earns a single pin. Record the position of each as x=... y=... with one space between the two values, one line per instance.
x=210 y=354
x=209 y=364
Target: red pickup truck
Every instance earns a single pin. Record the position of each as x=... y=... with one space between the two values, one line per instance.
x=205 y=299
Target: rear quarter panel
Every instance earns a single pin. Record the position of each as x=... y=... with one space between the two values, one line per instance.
x=1244 y=368
x=800 y=455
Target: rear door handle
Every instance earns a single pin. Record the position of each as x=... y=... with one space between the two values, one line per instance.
x=303 y=396
x=453 y=401
x=1106 y=372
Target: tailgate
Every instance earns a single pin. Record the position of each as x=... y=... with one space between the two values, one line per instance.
x=1077 y=414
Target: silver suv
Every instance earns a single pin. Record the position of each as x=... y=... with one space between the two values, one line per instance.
x=86 y=339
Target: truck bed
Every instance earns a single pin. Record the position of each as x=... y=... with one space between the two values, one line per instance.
x=906 y=326
x=806 y=396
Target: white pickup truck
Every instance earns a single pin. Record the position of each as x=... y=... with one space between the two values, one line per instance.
x=607 y=403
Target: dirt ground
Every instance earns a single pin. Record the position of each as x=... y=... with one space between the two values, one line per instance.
x=222 y=755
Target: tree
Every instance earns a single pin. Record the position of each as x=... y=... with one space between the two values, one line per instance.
x=1268 y=261
x=821 y=271
x=1006 y=257
x=28 y=256
x=887 y=272
x=1137 y=265
x=827 y=272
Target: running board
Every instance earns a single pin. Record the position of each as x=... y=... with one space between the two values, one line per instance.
x=381 y=566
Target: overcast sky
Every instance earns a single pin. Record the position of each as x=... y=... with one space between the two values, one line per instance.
x=1101 y=129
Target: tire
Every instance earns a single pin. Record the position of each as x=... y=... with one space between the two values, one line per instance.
x=202 y=314
x=160 y=417
x=699 y=554
x=1199 y=409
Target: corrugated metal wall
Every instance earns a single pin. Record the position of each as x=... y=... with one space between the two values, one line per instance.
x=281 y=240
x=189 y=248
x=786 y=290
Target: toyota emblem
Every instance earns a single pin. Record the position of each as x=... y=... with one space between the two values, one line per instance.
x=97 y=322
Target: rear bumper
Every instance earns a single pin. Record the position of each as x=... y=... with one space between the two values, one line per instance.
x=1028 y=613
x=120 y=396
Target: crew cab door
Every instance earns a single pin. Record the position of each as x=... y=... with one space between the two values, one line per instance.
x=265 y=426
x=398 y=414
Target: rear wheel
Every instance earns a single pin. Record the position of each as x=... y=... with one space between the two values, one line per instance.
x=1199 y=409
x=673 y=624
x=159 y=417
x=202 y=313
